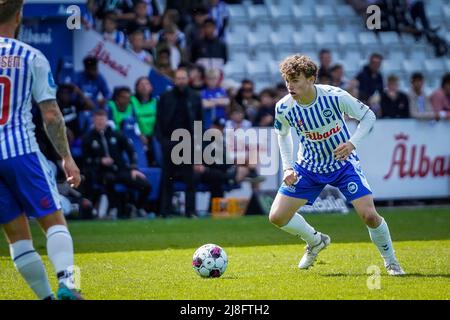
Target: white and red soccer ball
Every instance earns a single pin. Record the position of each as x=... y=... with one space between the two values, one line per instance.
x=210 y=261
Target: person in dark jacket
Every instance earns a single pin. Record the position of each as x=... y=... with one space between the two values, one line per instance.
x=209 y=51
x=105 y=165
x=394 y=103
x=178 y=108
x=370 y=78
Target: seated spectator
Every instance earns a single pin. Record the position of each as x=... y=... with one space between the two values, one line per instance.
x=266 y=111
x=324 y=78
x=122 y=8
x=337 y=76
x=162 y=63
x=394 y=103
x=237 y=118
x=215 y=100
x=88 y=17
x=325 y=60
x=154 y=13
x=440 y=99
x=172 y=17
x=353 y=88
x=218 y=11
x=92 y=83
x=197 y=77
x=105 y=166
x=110 y=31
x=71 y=101
x=145 y=108
x=120 y=107
x=136 y=47
x=419 y=103
x=193 y=30
x=169 y=41
x=370 y=78
x=142 y=22
x=247 y=98
x=209 y=51
x=281 y=91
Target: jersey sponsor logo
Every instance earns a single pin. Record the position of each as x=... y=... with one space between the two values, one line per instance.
x=321 y=136
x=352 y=187
x=44 y=203
x=327 y=113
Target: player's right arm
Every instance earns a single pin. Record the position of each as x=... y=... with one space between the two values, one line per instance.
x=286 y=145
x=44 y=92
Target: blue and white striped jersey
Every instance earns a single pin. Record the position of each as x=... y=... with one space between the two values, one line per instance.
x=320 y=126
x=24 y=74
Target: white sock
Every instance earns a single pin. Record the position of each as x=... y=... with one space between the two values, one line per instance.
x=298 y=226
x=29 y=264
x=381 y=237
x=60 y=253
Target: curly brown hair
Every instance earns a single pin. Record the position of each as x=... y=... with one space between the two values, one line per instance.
x=293 y=66
x=8 y=8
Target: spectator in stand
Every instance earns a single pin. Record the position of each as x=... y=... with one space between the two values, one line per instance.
x=281 y=90
x=419 y=103
x=172 y=17
x=370 y=78
x=184 y=8
x=136 y=47
x=218 y=10
x=440 y=99
x=394 y=103
x=193 y=30
x=88 y=17
x=197 y=78
x=209 y=51
x=154 y=13
x=142 y=22
x=237 y=118
x=104 y=164
x=120 y=108
x=145 y=109
x=247 y=98
x=324 y=78
x=92 y=83
x=325 y=60
x=71 y=101
x=163 y=62
x=266 y=111
x=169 y=41
x=110 y=31
x=353 y=88
x=123 y=8
x=337 y=76
x=215 y=100
x=178 y=108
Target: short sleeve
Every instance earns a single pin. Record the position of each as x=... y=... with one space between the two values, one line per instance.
x=352 y=106
x=281 y=125
x=44 y=87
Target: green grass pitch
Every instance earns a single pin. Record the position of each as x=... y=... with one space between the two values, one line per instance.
x=151 y=259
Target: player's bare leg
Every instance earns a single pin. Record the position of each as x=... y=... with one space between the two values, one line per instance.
x=379 y=233
x=26 y=260
x=60 y=253
x=283 y=214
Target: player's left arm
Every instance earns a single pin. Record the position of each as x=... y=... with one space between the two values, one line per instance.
x=44 y=92
x=361 y=112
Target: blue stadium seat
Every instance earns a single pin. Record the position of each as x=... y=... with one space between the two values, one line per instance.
x=304 y=14
x=154 y=176
x=258 y=13
x=281 y=42
x=238 y=13
x=304 y=41
x=237 y=42
x=257 y=69
x=434 y=67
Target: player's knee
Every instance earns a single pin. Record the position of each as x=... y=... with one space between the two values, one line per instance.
x=276 y=218
x=370 y=217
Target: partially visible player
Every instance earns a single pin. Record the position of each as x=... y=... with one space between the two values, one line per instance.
x=316 y=112
x=27 y=187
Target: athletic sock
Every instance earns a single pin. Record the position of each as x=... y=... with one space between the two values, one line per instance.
x=298 y=226
x=381 y=237
x=29 y=264
x=60 y=253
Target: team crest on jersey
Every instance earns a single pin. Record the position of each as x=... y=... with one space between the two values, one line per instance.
x=301 y=124
x=327 y=113
x=352 y=187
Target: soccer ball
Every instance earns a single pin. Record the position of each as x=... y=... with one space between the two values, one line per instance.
x=210 y=261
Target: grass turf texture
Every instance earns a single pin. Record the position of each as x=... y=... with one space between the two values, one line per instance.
x=151 y=259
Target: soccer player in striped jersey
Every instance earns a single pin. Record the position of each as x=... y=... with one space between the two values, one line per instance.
x=316 y=112
x=27 y=187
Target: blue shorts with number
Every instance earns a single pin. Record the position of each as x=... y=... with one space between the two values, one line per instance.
x=27 y=185
x=349 y=179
